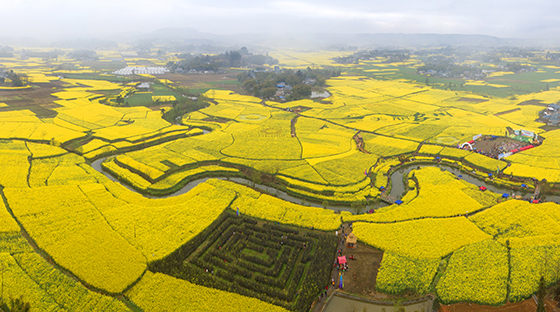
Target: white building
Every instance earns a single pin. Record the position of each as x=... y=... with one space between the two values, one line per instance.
x=141 y=70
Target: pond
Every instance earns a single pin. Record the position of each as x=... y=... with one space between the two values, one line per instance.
x=315 y=95
x=338 y=303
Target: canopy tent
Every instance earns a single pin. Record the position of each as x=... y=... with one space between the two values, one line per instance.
x=505 y=195
x=341 y=260
x=351 y=241
x=398 y=202
x=523 y=185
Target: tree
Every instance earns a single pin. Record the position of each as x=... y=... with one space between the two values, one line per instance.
x=234 y=57
x=358 y=205
x=19 y=305
x=268 y=92
x=249 y=84
x=541 y=294
x=557 y=287
x=301 y=91
x=256 y=177
x=427 y=81
x=436 y=304
x=320 y=80
x=398 y=307
x=544 y=188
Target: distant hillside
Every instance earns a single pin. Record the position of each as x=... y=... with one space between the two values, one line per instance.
x=183 y=37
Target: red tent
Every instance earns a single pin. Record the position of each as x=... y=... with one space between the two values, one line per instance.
x=514 y=150
x=482 y=188
x=342 y=260
x=526 y=147
x=471 y=142
x=535 y=201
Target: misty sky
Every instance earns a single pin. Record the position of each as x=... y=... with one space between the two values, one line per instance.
x=502 y=18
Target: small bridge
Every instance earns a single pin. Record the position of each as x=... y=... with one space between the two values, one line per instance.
x=387 y=198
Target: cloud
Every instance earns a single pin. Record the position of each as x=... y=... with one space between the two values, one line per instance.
x=513 y=18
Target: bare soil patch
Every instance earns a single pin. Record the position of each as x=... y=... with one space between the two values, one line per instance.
x=522 y=306
x=37 y=99
x=507 y=112
x=532 y=102
x=366 y=267
x=492 y=146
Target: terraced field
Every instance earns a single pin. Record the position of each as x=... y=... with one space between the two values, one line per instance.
x=67 y=228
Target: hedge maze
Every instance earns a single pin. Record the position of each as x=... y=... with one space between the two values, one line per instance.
x=282 y=265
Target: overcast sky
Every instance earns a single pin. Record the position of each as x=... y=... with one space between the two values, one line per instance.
x=501 y=18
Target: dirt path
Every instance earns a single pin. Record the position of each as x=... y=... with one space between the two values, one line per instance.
x=522 y=306
x=366 y=266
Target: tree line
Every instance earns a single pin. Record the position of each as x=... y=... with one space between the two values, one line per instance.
x=234 y=58
x=299 y=83
x=17 y=80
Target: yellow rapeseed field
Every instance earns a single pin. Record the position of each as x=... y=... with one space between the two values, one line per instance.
x=105 y=235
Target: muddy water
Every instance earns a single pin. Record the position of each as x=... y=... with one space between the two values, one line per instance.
x=398 y=186
x=267 y=189
x=343 y=304
x=397 y=189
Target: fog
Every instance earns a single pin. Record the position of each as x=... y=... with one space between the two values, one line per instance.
x=132 y=20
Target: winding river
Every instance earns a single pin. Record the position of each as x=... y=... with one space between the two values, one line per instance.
x=264 y=188
x=397 y=189
x=398 y=186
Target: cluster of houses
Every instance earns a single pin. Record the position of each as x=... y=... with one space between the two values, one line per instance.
x=467 y=74
x=179 y=70
x=282 y=89
x=4 y=73
x=551 y=115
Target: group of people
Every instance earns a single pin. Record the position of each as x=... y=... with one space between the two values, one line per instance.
x=498 y=149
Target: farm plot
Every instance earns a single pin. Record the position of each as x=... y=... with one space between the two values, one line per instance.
x=265 y=261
